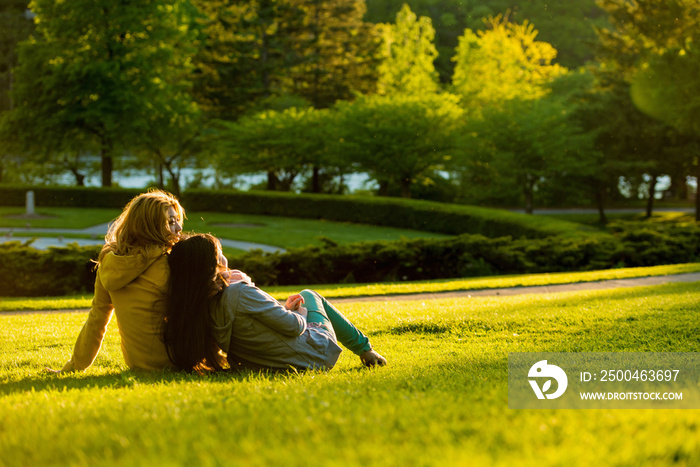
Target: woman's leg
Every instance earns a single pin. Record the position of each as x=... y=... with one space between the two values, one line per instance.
x=322 y=312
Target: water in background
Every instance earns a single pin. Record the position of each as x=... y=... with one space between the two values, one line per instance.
x=204 y=178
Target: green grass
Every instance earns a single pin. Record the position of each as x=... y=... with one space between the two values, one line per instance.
x=290 y=233
x=355 y=290
x=594 y=220
x=58 y=218
x=442 y=400
x=269 y=230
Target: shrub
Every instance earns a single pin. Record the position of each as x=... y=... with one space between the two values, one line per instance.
x=58 y=271
x=61 y=196
x=424 y=259
x=427 y=216
x=28 y=272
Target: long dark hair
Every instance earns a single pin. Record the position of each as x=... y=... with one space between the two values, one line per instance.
x=187 y=332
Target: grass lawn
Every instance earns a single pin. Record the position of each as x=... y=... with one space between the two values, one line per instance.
x=594 y=220
x=57 y=218
x=441 y=401
x=269 y=230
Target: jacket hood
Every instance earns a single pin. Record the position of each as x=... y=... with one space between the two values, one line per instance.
x=117 y=271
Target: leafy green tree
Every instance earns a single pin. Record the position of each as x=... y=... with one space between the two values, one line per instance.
x=89 y=77
x=409 y=55
x=565 y=25
x=341 y=55
x=15 y=26
x=399 y=139
x=568 y=26
x=521 y=149
x=246 y=53
x=282 y=144
x=653 y=50
x=501 y=63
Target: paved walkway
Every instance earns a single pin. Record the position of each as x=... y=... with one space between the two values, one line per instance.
x=23 y=234
x=538 y=289
x=543 y=289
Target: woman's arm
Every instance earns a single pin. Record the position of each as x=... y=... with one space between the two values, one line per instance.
x=267 y=310
x=90 y=338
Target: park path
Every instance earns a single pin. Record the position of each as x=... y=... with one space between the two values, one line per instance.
x=536 y=289
x=23 y=234
x=506 y=291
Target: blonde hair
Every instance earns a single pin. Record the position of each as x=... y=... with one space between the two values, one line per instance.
x=143 y=223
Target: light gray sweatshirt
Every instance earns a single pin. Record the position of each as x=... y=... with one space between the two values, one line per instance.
x=256 y=331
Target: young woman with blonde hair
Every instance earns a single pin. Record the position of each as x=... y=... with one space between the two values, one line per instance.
x=132 y=281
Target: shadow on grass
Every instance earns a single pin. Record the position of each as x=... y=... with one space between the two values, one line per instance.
x=46 y=381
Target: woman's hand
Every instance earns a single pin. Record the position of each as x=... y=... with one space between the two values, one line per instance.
x=234 y=275
x=294 y=302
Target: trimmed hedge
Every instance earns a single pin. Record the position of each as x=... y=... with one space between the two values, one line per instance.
x=84 y=197
x=28 y=272
x=450 y=219
x=425 y=259
x=59 y=271
x=471 y=256
x=427 y=216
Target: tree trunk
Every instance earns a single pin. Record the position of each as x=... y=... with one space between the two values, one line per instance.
x=405 y=187
x=174 y=178
x=79 y=178
x=383 y=188
x=697 y=191
x=160 y=176
x=107 y=165
x=600 y=203
x=272 y=181
x=651 y=194
x=315 y=181
x=341 y=183
x=528 y=191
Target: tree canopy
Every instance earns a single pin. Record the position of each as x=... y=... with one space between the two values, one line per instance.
x=503 y=62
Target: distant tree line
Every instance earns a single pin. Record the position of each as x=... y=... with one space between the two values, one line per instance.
x=480 y=110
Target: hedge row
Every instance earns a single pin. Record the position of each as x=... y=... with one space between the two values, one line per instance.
x=84 y=197
x=392 y=212
x=427 y=216
x=470 y=256
x=28 y=272
x=58 y=271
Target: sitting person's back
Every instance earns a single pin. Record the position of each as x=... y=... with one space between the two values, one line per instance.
x=132 y=277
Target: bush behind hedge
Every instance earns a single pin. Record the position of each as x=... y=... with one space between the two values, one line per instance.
x=59 y=271
x=28 y=272
x=66 y=196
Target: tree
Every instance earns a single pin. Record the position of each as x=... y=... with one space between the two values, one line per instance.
x=398 y=139
x=409 y=54
x=15 y=26
x=520 y=148
x=280 y=143
x=340 y=55
x=247 y=51
x=565 y=25
x=655 y=47
x=88 y=78
x=501 y=63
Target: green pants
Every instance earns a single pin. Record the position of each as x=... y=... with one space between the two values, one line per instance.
x=326 y=315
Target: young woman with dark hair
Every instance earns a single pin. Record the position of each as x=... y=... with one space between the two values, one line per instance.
x=208 y=312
